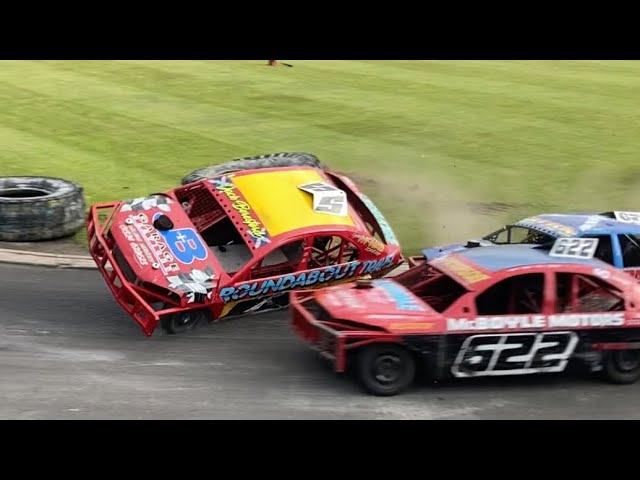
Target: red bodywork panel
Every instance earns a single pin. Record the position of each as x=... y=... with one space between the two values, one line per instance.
x=159 y=271
x=343 y=318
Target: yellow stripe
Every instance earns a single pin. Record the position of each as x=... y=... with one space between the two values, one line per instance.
x=280 y=204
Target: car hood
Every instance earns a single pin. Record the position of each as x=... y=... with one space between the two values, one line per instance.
x=380 y=303
x=172 y=256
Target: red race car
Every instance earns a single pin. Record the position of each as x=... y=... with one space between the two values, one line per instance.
x=508 y=310
x=237 y=242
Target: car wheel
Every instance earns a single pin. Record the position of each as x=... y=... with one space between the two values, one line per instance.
x=40 y=208
x=622 y=366
x=182 y=322
x=385 y=369
x=285 y=159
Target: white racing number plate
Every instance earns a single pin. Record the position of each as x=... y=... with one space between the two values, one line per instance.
x=514 y=354
x=327 y=198
x=627 y=217
x=574 y=248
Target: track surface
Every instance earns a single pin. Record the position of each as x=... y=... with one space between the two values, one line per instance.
x=67 y=351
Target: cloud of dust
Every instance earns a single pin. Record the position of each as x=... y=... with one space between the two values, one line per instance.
x=432 y=211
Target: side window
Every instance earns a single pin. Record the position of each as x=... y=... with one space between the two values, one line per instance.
x=520 y=294
x=332 y=250
x=604 y=251
x=280 y=261
x=513 y=234
x=585 y=293
x=630 y=247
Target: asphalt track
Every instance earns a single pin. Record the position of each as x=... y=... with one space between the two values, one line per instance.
x=67 y=351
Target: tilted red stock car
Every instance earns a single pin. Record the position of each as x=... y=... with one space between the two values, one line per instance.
x=237 y=243
x=508 y=310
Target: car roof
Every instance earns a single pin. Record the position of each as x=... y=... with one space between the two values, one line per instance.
x=503 y=257
x=475 y=266
x=578 y=224
x=282 y=207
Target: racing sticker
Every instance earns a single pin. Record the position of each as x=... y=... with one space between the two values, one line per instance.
x=161 y=202
x=413 y=326
x=574 y=248
x=257 y=231
x=327 y=198
x=304 y=279
x=197 y=285
x=565 y=230
x=627 y=217
x=371 y=244
x=518 y=322
x=402 y=299
x=459 y=268
x=148 y=246
x=185 y=243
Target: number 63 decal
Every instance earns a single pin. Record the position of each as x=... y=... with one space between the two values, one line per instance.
x=327 y=198
x=574 y=247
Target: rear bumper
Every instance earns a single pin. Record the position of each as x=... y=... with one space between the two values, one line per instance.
x=135 y=299
x=330 y=337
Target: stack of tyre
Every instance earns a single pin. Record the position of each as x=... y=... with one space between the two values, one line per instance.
x=40 y=208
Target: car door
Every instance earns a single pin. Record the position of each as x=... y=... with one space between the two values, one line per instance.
x=509 y=316
x=261 y=280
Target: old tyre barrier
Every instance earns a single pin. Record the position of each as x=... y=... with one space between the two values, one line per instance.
x=40 y=208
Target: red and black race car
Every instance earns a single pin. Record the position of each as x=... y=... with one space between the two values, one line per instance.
x=511 y=310
x=237 y=243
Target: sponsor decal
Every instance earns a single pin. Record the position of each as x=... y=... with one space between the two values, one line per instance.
x=161 y=202
x=389 y=236
x=257 y=231
x=342 y=297
x=151 y=244
x=602 y=273
x=627 y=217
x=551 y=225
x=463 y=270
x=411 y=326
x=514 y=354
x=185 y=243
x=517 y=322
x=304 y=279
x=402 y=299
x=590 y=222
x=372 y=245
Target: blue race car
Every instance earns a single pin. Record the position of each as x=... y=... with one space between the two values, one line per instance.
x=618 y=235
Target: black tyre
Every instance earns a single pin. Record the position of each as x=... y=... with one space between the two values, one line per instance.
x=385 y=369
x=183 y=322
x=40 y=208
x=285 y=159
x=622 y=366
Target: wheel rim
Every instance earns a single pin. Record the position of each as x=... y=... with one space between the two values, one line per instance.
x=627 y=360
x=184 y=321
x=387 y=368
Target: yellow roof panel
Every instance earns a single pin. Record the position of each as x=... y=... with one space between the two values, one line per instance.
x=280 y=204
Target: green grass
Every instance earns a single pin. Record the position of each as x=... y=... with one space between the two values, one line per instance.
x=425 y=138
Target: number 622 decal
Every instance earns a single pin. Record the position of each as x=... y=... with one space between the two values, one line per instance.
x=574 y=247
